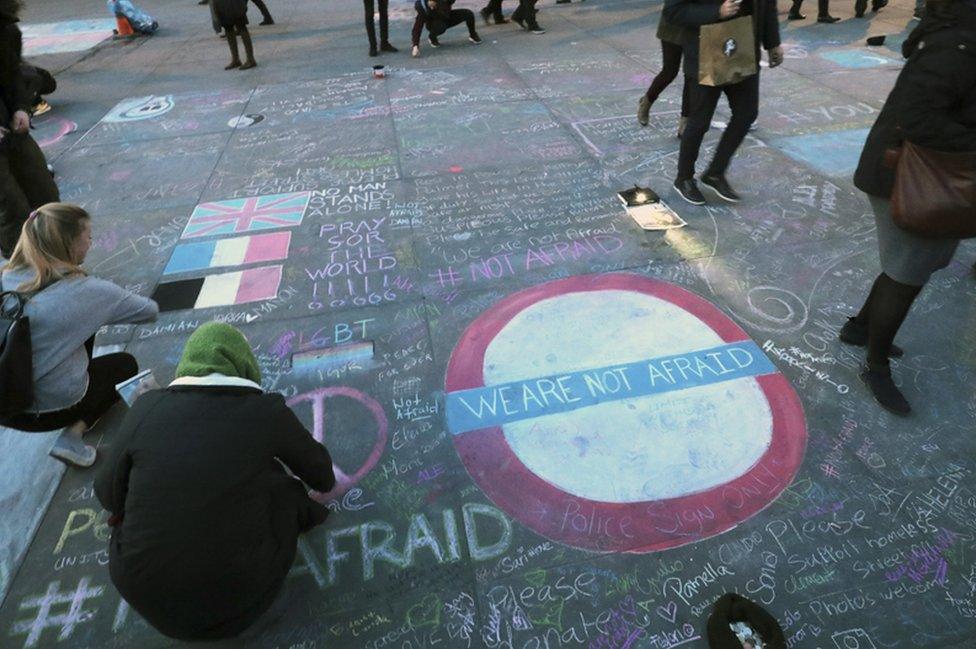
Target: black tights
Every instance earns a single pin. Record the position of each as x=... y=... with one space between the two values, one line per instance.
x=370 y=9
x=263 y=8
x=883 y=312
x=670 y=66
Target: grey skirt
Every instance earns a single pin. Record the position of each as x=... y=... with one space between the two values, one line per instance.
x=907 y=258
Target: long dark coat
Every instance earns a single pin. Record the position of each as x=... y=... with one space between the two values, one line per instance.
x=933 y=103
x=206 y=521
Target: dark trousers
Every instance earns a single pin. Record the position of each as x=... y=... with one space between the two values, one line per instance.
x=370 y=9
x=263 y=8
x=458 y=16
x=525 y=12
x=823 y=7
x=743 y=100
x=670 y=67
x=104 y=373
x=494 y=7
x=25 y=185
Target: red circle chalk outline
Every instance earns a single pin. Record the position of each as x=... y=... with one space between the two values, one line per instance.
x=538 y=504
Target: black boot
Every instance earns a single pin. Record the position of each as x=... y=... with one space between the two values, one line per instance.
x=795 y=11
x=235 y=57
x=884 y=390
x=248 y=50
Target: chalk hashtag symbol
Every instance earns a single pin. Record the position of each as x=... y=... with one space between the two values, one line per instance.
x=449 y=278
x=65 y=621
x=829 y=470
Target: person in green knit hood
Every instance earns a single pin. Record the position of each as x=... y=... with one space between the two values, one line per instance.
x=205 y=518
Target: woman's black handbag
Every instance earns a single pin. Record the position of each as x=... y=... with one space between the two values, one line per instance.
x=16 y=365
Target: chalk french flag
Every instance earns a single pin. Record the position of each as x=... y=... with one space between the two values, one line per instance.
x=238 y=251
x=224 y=289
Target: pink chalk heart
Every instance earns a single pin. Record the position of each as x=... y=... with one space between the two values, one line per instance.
x=455 y=169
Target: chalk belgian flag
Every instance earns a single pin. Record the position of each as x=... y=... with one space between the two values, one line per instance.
x=224 y=289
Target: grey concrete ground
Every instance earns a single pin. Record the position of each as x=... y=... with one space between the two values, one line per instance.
x=456 y=232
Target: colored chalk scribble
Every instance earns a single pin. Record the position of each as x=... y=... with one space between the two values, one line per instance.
x=69 y=36
x=247 y=214
x=833 y=153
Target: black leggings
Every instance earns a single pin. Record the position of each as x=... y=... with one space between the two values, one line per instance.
x=370 y=8
x=104 y=373
x=670 y=67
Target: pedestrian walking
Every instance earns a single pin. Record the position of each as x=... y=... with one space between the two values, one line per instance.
x=823 y=12
x=760 y=29
x=932 y=105
x=672 y=39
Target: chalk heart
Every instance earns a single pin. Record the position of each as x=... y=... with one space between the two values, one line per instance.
x=669 y=612
x=425 y=613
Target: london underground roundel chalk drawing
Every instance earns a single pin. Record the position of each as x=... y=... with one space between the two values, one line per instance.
x=619 y=413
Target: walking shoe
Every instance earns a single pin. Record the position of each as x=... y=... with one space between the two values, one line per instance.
x=267 y=21
x=536 y=29
x=373 y=51
x=41 y=108
x=519 y=22
x=249 y=64
x=474 y=38
x=433 y=41
x=688 y=190
x=643 y=110
x=720 y=186
x=72 y=450
x=855 y=333
x=415 y=52
x=232 y=65
x=386 y=47
x=484 y=15
x=884 y=390
x=827 y=19
x=795 y=15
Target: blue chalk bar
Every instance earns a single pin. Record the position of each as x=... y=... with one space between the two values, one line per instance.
x=857 y=59
x=190 y=256
x=832 y=153
x=496 y=405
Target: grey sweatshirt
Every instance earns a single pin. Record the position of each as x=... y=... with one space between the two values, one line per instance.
x=62 y=317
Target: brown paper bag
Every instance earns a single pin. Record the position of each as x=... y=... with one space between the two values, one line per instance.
x=727 y=52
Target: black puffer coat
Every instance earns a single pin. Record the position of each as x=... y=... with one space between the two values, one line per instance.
x=933 y=103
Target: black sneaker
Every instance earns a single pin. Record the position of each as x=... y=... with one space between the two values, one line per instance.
x=536 y=29
x=474 y=38
x=386 y=47
x=720 y=186
x=855 y=333
x=827 y=19
x=433 y=41
x=563 y=2
x=688 y=190
x=884 y=390
x=795 y=15
x=267 y=21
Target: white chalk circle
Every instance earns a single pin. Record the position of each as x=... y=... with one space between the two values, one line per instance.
x=639 y=449
x=136 y=109
x=245 y=120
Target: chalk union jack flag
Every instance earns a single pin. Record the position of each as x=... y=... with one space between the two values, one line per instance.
x=247 y=214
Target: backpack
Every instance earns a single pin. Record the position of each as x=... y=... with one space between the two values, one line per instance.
x=16 y=363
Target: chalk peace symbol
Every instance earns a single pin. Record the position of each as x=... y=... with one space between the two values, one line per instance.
x=345 y=480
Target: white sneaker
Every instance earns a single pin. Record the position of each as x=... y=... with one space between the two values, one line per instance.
x=71 y=450
x=415 y=52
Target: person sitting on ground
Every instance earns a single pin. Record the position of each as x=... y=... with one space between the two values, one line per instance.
x=66 y=308
x=205 y=519
x=231 y=16
x=439 y=16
